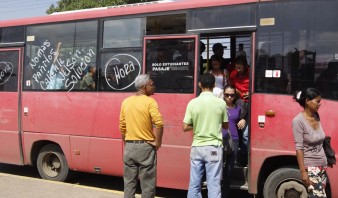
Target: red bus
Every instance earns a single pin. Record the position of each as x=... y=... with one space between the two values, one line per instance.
x=49 y=120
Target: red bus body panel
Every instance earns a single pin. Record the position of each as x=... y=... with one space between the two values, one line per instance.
x=9 y=149
x=276 y=137
x=85 y=125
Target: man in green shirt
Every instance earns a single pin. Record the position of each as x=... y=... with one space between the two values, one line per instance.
x=206 y=115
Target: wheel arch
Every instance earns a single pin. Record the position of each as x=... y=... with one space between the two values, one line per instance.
x=36 y=147
x=276 y=162
x=273 y=163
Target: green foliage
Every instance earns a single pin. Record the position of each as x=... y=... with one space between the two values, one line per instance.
x=66 y=5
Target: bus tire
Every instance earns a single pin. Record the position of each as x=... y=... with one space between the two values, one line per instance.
x=52 y=163
x=284 y=182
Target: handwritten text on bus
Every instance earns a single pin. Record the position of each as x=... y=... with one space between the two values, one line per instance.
x=52 y=72
x=6 y=71
x=121 y=70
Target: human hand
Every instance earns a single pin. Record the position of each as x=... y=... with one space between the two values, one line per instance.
x=241 y=124
x=154 y=144
x=246 y=95
x=305 y=178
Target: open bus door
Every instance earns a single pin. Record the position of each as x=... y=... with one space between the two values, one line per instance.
x=10 y=130
x=172 y=62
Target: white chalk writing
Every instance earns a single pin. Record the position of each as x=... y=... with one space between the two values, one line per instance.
x=6 y=71
x=121 y=67
x=53 y=72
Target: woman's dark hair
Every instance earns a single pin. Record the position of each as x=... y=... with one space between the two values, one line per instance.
x=241 y=60
x=207 y=80
x=301 y=96
x=232 y=87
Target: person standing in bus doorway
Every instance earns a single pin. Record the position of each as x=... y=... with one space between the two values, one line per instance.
x=309 y=137
x=206 y=115
x=239 y=78
x=234 y=107
x=218 y=50
x=138 y=115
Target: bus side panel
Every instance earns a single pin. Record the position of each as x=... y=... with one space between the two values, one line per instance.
x=274 y=137
x=9 y=132
x=173 y=165
x=73 y=113
x=100 y=155
x=29 y=138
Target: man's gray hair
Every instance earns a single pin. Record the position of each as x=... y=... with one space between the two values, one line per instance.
x=141 y=81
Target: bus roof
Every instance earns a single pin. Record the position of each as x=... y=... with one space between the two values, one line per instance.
x=123 y=10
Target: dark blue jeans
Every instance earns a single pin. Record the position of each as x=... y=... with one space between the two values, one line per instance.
x=228 y=170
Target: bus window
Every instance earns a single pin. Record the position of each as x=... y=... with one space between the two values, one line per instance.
x=12 y=34
x=58 y=56
x=122 y=57
x=171 y=64
x=123 y=33
x=166 y=24
x=294 y=57
x=9 y=71
x=119 y=69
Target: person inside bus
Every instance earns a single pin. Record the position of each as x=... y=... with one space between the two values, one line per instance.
x=206 y=115
x=221 y=76
x=202 y=49
x=309 y=137
x=139 y=113
x=234 y=107
x=239 y=78
x=88 y=82
x=218 y=50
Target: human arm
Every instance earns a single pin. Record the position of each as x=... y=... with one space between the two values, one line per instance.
x=241 y=124
x=157 y=120
x=158 y=138
x=225 y=125
x=122 y=124
x=187 y=127
x=300 y=160
x=298 y=130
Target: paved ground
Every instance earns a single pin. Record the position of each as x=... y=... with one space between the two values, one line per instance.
x=12 y=186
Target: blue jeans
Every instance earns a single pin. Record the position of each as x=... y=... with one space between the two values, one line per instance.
x=207 y=159
x=228 y=170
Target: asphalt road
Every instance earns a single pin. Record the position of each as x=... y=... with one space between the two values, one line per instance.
x=24 y=181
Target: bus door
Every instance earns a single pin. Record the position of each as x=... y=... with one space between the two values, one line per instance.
x=172 y=62
x=10 y=132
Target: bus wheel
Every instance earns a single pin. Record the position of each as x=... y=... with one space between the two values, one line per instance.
x=52 y=164
x=284 y=182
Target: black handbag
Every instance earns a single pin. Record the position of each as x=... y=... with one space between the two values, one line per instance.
x=329 y=152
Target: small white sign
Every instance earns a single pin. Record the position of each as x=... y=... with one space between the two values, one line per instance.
x=268 y=73
x=261 y=119
x=28 y=83
x=30 y=38
x=276 y=73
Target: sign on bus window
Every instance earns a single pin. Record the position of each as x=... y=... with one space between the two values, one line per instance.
x=171 y=64
x=9 y=70
x=119 y=69
x=61 y=57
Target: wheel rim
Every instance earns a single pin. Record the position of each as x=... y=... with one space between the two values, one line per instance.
x=292 y=189
x=51 y=165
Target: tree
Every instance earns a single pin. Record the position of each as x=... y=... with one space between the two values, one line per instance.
x=66 y=5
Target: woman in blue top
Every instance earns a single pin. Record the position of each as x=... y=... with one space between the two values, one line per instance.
x=235 y=123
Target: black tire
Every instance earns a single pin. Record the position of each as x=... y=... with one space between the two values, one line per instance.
x=284 y=183
x=52 y=163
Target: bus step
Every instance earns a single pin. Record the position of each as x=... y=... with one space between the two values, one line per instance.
x=240 y=173
x=239 y=185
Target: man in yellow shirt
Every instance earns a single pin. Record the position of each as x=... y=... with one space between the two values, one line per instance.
x=138 y=115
